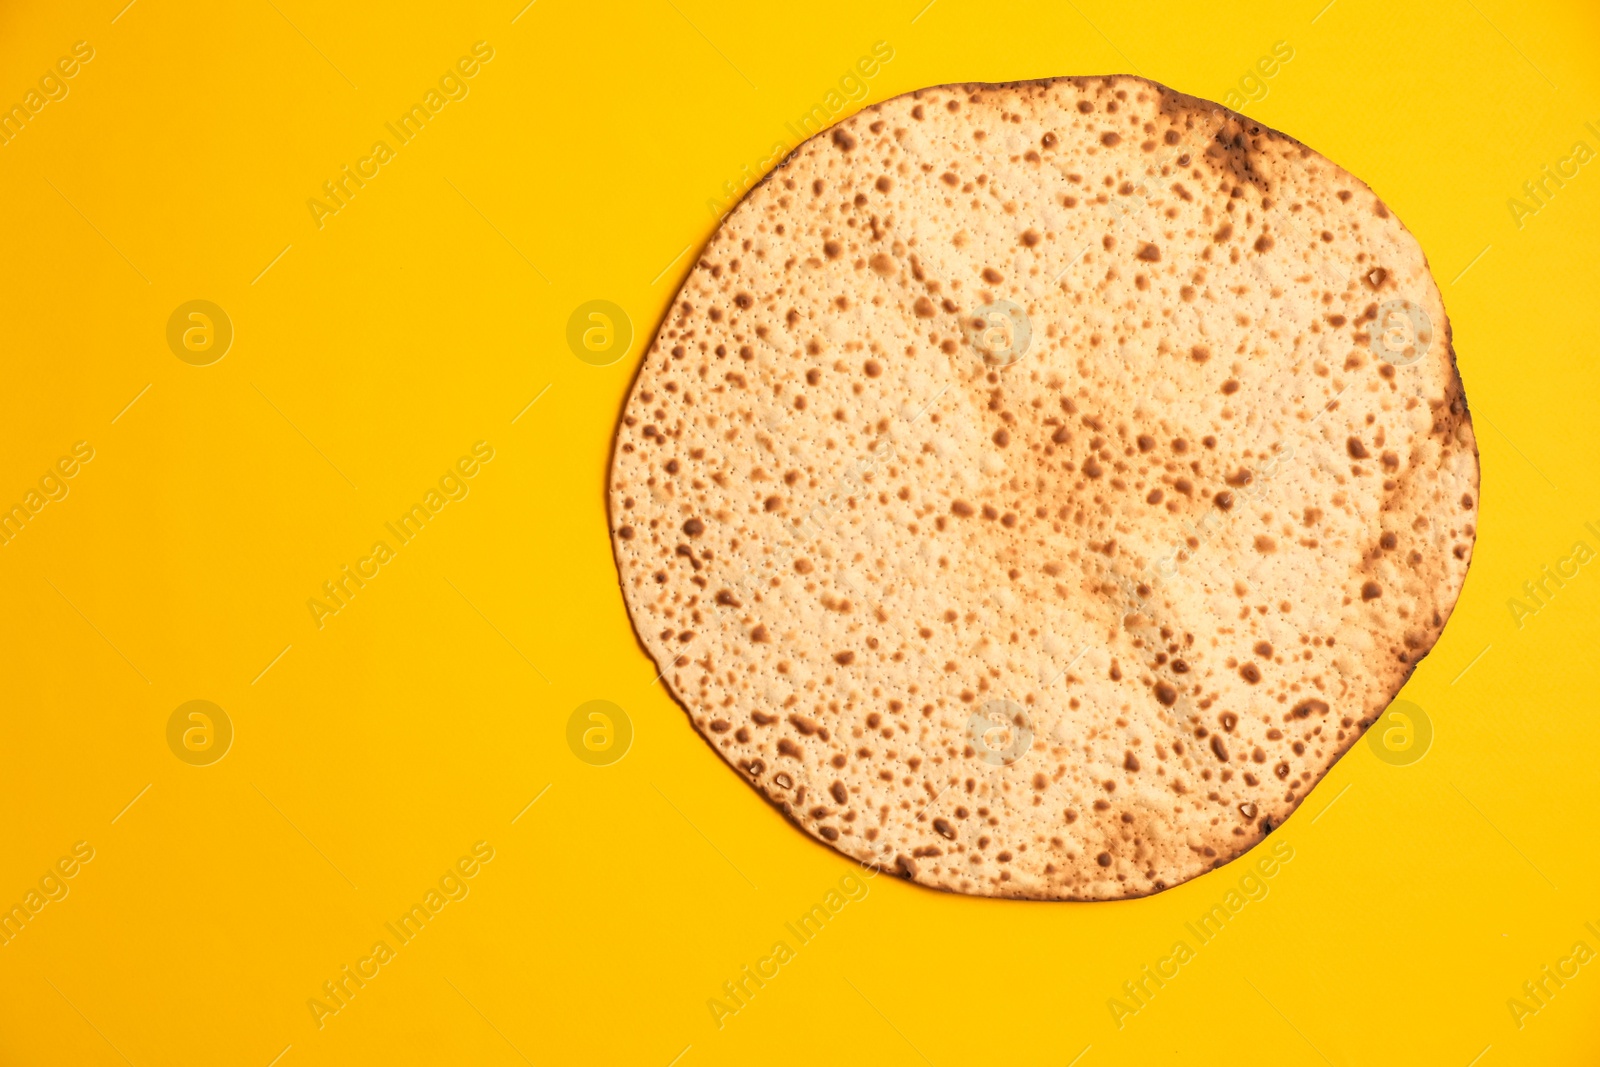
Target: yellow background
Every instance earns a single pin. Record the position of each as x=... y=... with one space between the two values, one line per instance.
x=426 y=714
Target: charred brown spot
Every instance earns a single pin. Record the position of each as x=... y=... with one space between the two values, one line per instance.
x=1306 y=708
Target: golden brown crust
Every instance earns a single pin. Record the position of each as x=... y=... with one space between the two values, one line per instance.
x=1079 y=625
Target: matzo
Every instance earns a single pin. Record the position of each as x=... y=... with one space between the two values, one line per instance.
x=1035 y=488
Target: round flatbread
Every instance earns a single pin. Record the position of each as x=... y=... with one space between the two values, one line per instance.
x=1035 y=488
